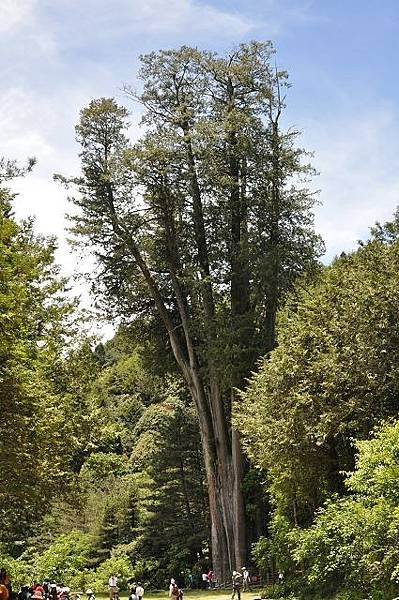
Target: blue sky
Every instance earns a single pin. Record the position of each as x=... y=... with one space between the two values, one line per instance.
x=56 y=55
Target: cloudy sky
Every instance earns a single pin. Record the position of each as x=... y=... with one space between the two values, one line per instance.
x=56 y=55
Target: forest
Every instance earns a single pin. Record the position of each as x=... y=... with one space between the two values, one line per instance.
x=245 y=410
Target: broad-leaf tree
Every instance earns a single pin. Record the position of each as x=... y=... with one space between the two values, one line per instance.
x=332 y=378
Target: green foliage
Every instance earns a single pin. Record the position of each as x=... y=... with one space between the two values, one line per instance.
x=353 y=544
x=34 y=327
x=119 y=564
x=174 y=524
x=65 y=558
x=100 y=466
x=19 y=571
x=100 y=448
x=140 y=488
x=201 y=227
x=332 y=378
x=210 y=149
x=334 y=375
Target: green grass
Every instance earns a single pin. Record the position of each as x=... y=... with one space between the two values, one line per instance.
x=191 y=595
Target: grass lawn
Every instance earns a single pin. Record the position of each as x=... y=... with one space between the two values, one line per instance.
x=204 y=595
x=192 y=595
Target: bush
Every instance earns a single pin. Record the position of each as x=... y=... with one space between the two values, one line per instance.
x=65 y=559
x=119 y=564
x=353 y=545
x=19 y=571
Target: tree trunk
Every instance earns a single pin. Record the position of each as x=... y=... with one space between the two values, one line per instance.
x=241 y=320
x=223 y=467
x=238 y=502
x=225 y=475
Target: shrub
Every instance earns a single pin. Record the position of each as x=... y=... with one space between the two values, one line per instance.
x=119 y=564
x=65 y=558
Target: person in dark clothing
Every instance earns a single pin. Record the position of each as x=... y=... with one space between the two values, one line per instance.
x=237 y=585
x=24 y=593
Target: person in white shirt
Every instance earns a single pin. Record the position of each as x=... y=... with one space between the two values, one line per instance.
x=171 y=586
x=113 y=586
x=139 y=591
x=246 y=580
x=133 y=595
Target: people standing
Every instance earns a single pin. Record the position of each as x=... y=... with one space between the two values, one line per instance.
x=139 y=591
x=37 y=587
x=133 y=594
x=24 y=593
x=246 y=580
x=237 y=585
x=90 y=594
x=204 y=581
x=53 y=591
x=113 y=586
x=176 y=593
x=191 y=581
x=211 y=577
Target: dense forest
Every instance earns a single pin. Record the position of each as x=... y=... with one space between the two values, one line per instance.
x=245 y=410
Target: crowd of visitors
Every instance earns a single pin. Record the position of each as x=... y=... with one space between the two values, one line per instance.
x=36 y=591
x=241 y=581
x=54 y=591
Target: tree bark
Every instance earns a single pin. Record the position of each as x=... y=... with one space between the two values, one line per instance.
x=241 y=321
x=225 y=479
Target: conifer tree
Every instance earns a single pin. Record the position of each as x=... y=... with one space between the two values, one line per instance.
x=205 y=222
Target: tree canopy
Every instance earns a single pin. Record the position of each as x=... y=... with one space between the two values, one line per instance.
x=330 y=381
x=33 y=314
x=205 y=222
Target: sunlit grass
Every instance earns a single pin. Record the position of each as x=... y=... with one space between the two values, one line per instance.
x=190 y=595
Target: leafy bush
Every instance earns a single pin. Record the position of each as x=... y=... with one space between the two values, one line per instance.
x=119 y=564
x=65 y=558
x=353 y=545
x=19 y=571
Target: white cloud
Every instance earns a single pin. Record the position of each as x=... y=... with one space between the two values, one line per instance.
x=59 y=59
x=14 y=13
x=359 y=176
x=114 y=20
x=180 y=15
x=27 y=129
x=21 y=131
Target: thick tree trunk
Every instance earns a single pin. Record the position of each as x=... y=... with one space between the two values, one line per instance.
x=225 y=471
x=223 y=467
x=242 y=322
x=227 y=517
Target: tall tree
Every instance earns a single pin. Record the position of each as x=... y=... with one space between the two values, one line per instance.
x=203 y=223
x=32 y=317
